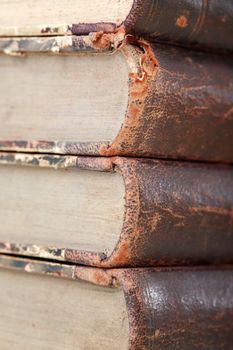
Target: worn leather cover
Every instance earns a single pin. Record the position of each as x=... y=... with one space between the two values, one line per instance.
x=175 y=212
x=184 y=111
x=180 y=310
x=179 y=107
x=200 y=23
x=168 y=309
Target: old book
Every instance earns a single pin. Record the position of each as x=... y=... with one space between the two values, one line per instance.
x=111 y=94
x=115 y=211
x=201 y=23
x=53 y=306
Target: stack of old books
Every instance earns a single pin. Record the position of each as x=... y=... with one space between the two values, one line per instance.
x=116 y=144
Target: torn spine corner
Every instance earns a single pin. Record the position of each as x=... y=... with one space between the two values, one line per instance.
x=148 y=63
x=104 y=40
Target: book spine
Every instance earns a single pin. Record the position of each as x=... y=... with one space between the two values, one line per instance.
x=205 y=24
x=183 y=112
x=180 y=309
x=175 y=213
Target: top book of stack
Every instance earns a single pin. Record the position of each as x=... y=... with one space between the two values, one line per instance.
x=200 y=23
x=78 y=78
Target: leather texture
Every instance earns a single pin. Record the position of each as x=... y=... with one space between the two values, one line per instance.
x=187 y=109
x=175 y=212
x=180 y=310
x=184 y=211
x=206 y=24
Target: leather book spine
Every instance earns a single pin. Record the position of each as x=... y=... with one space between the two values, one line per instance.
x=205 y=24
x=175 y=213
x=179 y=309
x=183 y=109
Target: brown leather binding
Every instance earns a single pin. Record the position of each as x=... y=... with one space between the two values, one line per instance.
x=187 y=109
x=168 y=309
x=200 y=23
x=175 y=213
x=180 y=310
